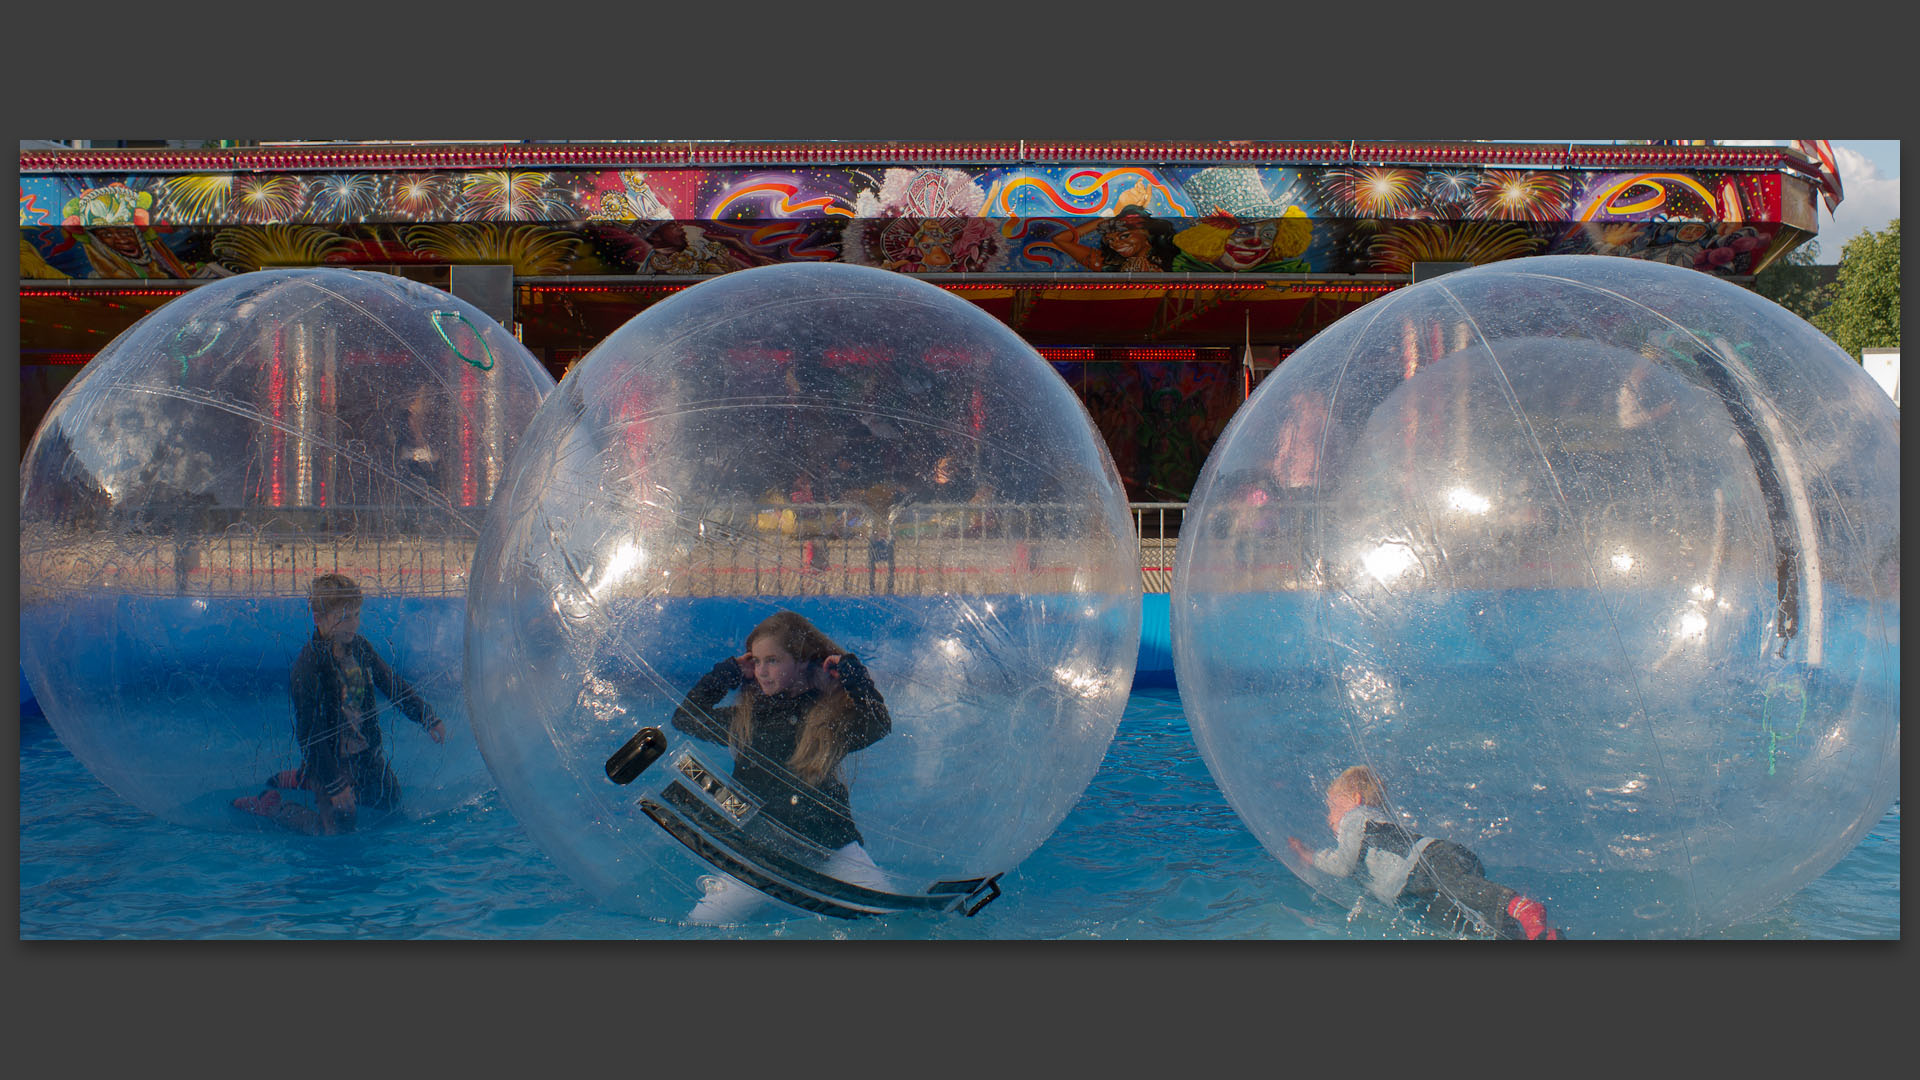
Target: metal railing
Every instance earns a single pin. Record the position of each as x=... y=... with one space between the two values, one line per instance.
x=236 y=562
x=853 y=548
x=748 y=549
x=1157 y=527
x=745 y=548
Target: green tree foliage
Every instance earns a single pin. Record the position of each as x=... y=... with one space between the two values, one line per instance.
x=1865 y=312
x=1796 y=282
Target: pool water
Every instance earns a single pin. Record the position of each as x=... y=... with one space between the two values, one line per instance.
x=1151 y=851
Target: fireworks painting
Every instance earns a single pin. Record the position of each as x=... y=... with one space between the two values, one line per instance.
x=1450 y=185
x=1396 y=248
x=201 y=197
x=417 y=194
x=346 y=196
x=1504 y=195
x=1371 y=191
x=267 y=200
x=507 y=196
x=246 y=250
x=529 y=249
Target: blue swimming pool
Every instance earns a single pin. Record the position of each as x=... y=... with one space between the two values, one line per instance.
x=1150 y=851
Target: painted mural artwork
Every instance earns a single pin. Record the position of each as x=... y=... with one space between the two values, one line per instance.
x=1069 y=219
x=922 y=221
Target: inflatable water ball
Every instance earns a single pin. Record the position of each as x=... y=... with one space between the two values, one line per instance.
x=873 y=455
x=188 y=487
x=1593 y=562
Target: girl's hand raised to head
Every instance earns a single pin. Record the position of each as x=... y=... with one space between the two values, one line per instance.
x=745 y=660
x=826 y=674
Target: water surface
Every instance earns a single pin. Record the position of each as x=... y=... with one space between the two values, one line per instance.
x=1151 y=851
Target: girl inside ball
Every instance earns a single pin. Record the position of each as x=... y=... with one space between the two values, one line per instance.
x=804 y=704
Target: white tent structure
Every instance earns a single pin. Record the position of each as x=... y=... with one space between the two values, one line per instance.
x=1884 y=366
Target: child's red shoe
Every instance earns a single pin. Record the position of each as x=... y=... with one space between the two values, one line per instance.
x=1532 y=916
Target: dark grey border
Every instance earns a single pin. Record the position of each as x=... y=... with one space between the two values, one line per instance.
x=1504 y=69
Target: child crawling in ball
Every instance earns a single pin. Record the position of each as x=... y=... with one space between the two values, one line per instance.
x=804 y=705
x=336 y=722
x=1440 y=880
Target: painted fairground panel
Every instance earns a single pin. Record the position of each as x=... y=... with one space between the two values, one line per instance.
x=1350 y=219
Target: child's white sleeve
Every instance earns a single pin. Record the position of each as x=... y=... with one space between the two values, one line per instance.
x=1341 y=860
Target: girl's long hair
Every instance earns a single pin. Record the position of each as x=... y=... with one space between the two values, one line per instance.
x=823 y=732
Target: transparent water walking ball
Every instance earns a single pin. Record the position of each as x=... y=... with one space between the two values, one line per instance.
x=1594 y=562
x=187 y=487
x=865 y=450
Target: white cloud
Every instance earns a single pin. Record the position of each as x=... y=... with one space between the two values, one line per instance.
x=1872 y=201
x=1854 y=166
